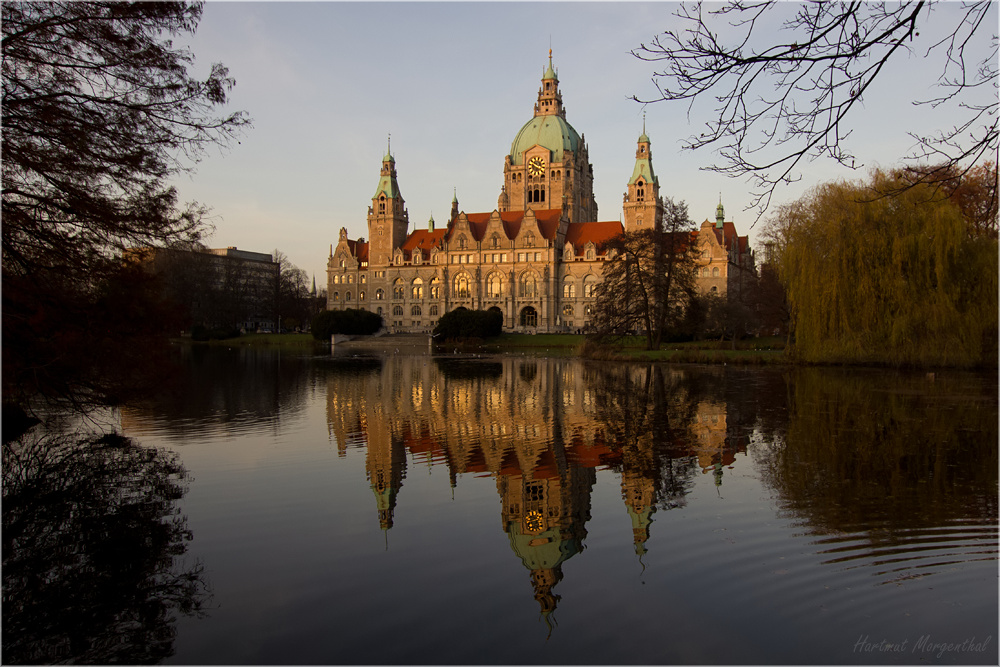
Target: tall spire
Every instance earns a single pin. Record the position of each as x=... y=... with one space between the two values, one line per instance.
x=550 y=72
x=388 y=150
x=549 y=98
x=720 y=214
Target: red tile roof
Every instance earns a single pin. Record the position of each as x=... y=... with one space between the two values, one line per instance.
x=548 y=222
x=358 y=250
x=547 y=219
x=511 y=222
x=580 y=233
x=423 y=239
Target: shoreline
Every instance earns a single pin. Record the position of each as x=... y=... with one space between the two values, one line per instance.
x=748 y=352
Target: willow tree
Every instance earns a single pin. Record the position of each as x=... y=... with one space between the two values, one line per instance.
x=884 y=274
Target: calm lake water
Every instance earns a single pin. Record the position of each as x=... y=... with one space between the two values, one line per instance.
x=410 y=508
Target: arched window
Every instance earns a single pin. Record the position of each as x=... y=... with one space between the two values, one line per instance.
x=569 y=288
x=590 y=286
x=342 y=263
x=417 y=289
x=435 y=288
x=434 y=311
x=714 y=289
x=364 y=278
x=397 y=311
x=567 y=310
x=640 y=191
x=529 y=240
x=704 y=272
x=494 y=285
x=347 y=297
x=715 y=272
x=361 y=296
x=336 y=296
x=590 y=253
x=495 y=241
x=529 y=285
x=461 y=243
x=378 y=311
x=350 y=279
x=381 y=204
x=379 y=295
x=397 y=288
x=415 y=311
x=461 y=285
x=529 y=317
x=416 y=256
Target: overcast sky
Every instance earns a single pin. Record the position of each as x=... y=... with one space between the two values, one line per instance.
x=326 y=83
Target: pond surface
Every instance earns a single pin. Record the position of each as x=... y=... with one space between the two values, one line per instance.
x=517 y=510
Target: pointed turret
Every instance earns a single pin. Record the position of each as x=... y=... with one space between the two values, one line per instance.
x=387 y=218
x=720 y=214
x=642 y=208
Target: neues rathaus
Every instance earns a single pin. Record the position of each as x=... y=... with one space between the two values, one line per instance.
x=536 y=257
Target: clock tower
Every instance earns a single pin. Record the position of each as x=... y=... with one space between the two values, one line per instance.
x=387 y=216
x=548 y=166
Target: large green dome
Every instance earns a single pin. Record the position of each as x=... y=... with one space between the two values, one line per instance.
x=552 y=132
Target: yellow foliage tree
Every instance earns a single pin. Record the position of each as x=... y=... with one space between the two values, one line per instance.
x=879 y=273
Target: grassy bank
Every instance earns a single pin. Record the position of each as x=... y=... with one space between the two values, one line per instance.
x=298 y=340
x=754 y=351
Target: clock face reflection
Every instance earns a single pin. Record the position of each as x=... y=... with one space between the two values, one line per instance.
x=533 y=521
x=536 y=166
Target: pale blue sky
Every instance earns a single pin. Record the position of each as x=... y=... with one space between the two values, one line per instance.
x=453 y=82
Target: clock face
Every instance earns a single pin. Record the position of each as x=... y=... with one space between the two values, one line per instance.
x=536 y=166
x=533 y=521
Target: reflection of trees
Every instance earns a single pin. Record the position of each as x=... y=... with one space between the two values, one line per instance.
x=91 y=542
x=887 y=455
x=237 y=383
x=645 y=413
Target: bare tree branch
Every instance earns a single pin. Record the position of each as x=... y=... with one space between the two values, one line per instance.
x=779 y=104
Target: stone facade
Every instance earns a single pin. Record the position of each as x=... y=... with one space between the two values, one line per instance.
x=536 y=258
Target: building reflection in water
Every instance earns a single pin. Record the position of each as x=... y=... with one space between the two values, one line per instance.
x=541 y=429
